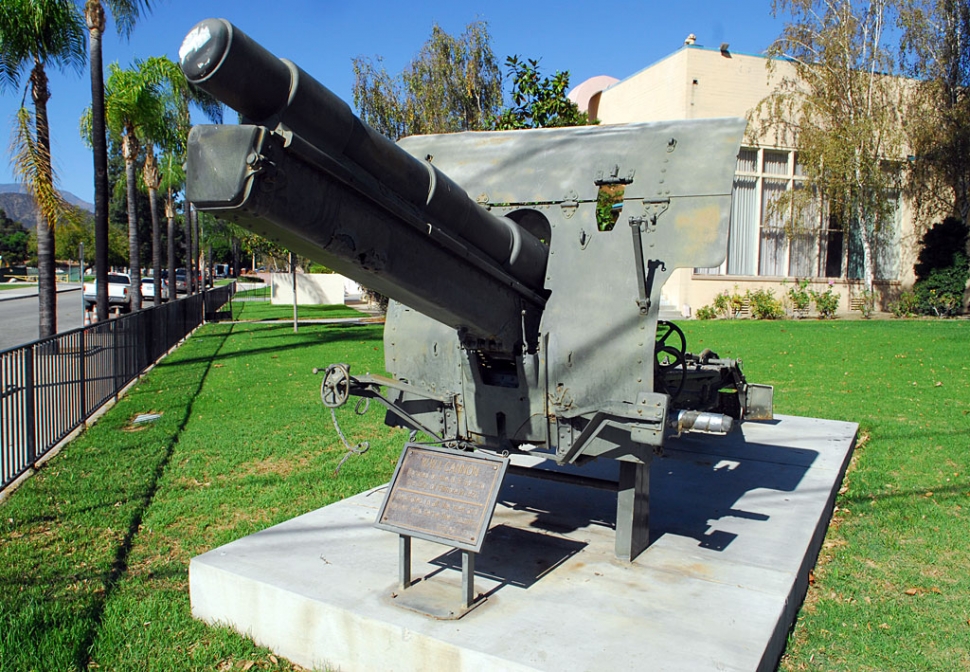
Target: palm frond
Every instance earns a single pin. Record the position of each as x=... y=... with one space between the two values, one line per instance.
x=51 y=32
x=32 y=166
x=126 y=13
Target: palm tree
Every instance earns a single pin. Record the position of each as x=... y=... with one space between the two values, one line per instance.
x=152 y=178
x=138 y=105
x=125 y=13
x=172 y=179
x=35 y=34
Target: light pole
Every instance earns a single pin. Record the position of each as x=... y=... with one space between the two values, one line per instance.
x=80 y=277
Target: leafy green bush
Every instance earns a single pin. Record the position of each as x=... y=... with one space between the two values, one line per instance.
x=941 y=293
x=764 y=305
x=800 y=297
x=826 y=303
x=318 y=268
x=905 y=305
x=942 y=269
x=729 y=303
x=250 y=278
x=868 y=303
x=706 y=313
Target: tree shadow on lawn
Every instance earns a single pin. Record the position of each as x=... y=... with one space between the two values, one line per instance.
x=119 y=566
x=948 y=491
x=71 y=625
x=343 y=333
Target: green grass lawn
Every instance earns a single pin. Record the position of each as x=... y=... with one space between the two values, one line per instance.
x=264 y=310
x=17 y=285
x=94 y=549
x=892 y=591
x=261 y=292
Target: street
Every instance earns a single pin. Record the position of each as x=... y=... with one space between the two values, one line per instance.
x=18 y=313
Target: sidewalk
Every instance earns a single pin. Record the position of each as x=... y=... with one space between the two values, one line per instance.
x=27 y=291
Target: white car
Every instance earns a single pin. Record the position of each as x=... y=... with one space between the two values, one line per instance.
x=119 y=296
x=148 y=289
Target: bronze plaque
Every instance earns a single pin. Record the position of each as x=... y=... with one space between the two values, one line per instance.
x=443 y=495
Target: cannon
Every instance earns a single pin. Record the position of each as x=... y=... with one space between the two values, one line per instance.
x=524 y=268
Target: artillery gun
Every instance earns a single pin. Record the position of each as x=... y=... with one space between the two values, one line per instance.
x=519 y=320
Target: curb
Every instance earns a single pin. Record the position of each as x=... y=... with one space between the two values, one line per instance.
x=34 y=294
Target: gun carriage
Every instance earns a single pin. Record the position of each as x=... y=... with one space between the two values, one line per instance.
x=519 y=322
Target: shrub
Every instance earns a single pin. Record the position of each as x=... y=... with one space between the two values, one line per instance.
x=764 y=305
x=731 y=303
x=318 y=268
x=941 y=292
x=868 y=304
x=905 y=305
x=942 y=269
x=826 y=303
x=250 y=278
x=377 y=299
x=800 y=297
x=706 y=313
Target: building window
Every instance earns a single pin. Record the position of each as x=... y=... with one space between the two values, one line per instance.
x=769 y=241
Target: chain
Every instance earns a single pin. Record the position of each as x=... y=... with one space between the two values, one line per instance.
x=361 y=447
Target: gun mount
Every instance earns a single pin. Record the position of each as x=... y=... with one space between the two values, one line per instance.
x=519 y=322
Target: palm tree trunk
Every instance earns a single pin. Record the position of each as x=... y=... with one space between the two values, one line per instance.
x=156 y=247
x=196 y=245
x=170 y=216
x=94 y=17
x=129 y=150
x=152 y=179
x=188 y=249
x=46 y=280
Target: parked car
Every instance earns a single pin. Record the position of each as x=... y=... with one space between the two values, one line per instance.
x=180 y=281
x=148 y=289
x=119 y=292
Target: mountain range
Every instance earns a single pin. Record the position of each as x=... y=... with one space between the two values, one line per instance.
x=20 y=207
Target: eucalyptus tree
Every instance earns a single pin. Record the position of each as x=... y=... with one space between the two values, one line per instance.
x=35 y=34
x=453 y=84
x=936 y=53
x=125 y=13
x=842 y=110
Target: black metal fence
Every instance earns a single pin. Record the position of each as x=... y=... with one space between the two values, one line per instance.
x=50 y=387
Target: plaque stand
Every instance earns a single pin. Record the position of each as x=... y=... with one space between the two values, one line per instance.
x=420 y=597
x=447 y=497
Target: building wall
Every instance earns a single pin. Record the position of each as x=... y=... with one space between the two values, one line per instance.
x=697 y=83
x=691 y=83
x=312 y=289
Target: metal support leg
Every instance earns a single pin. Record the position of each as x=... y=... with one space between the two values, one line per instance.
x=404 y=561
x=632 y=510
x=467 y=579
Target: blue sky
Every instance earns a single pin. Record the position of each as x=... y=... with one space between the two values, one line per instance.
x=586 y=38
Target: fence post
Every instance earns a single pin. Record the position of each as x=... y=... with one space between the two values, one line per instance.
x=31 y=409
x=82 y=356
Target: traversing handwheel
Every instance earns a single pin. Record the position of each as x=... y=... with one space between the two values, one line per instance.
x=670 y=354
x=335 y=388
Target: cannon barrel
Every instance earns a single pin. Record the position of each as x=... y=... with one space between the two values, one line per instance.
x=305 y=171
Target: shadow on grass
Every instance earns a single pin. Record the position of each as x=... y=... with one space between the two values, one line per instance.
x=119 y=566
x=342 y=333
x=952 y=490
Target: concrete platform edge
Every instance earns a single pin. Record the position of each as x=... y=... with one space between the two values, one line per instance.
x=741 y=523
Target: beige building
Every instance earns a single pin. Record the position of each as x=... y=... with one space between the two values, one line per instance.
x=696 y=82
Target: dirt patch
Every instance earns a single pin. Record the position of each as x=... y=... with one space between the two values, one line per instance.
x=278 y=466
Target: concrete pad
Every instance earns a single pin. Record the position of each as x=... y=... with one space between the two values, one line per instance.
x=736 y=524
